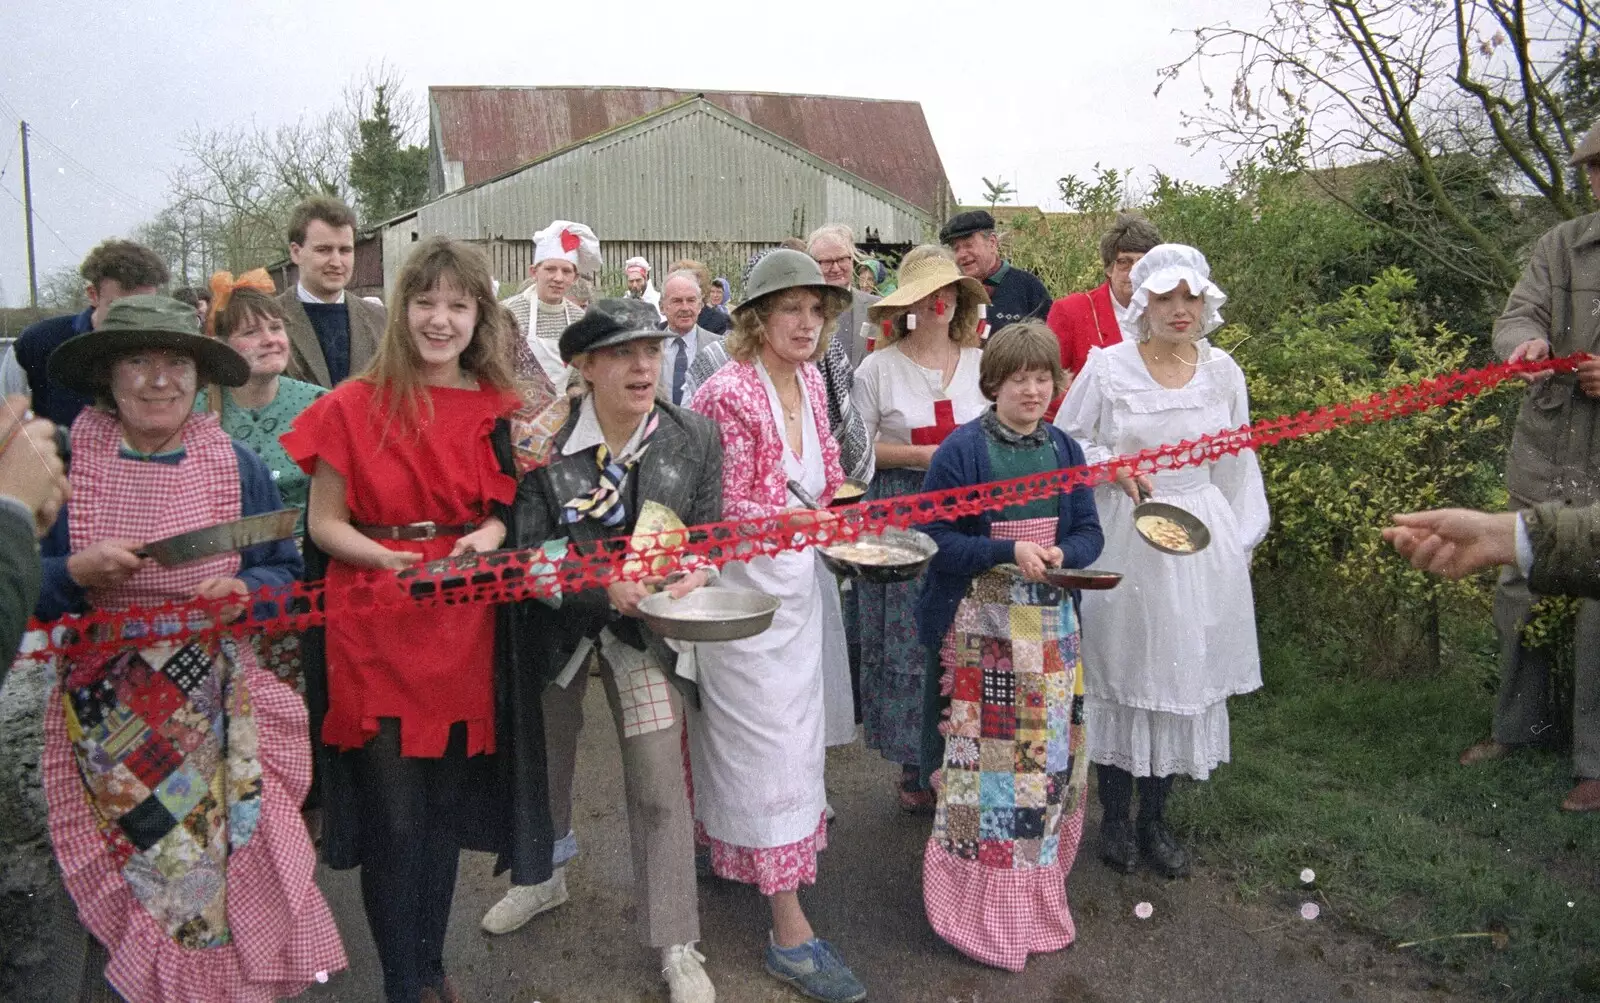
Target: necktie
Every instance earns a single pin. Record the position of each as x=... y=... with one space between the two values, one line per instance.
x=604 y=502
x=680 y=369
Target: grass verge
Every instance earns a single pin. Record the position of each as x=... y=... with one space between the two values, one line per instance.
x=1357 y=779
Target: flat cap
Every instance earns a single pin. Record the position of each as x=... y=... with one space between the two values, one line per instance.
x=610 y=322
x=964 y=223
x=1587 y=150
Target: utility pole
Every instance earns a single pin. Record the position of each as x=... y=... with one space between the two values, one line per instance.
x=27 y=213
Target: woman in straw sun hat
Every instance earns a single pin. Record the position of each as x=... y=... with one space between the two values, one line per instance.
x=919 y=384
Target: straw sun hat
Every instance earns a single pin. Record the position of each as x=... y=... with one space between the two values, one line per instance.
x=925 y=276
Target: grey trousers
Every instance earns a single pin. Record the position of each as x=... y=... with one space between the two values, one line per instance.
x=660 y=824
x=1522 y=710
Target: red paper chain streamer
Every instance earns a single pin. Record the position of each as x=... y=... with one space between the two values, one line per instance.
x=511 y=576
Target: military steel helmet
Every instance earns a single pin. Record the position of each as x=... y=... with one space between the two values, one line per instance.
x=785 y=269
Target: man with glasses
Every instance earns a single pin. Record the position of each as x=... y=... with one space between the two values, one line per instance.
x=833 y=248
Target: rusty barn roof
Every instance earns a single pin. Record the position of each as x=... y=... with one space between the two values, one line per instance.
x=488 y=131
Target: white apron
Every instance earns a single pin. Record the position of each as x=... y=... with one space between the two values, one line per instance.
x=757 y=743
x=548 y=357
x=838 y=703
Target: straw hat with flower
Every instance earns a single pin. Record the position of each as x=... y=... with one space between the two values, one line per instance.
x=923 y=272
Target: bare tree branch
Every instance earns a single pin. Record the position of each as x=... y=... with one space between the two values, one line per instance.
x=1331 y=83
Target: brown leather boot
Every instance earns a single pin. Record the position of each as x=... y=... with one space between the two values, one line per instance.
x=1584 y=797
x=1485 y=751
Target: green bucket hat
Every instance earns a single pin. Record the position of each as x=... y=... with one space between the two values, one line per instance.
x=785 y=269
x=137 y=323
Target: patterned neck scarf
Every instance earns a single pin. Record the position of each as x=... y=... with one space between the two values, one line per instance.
x=998 y=429
x=605 y=502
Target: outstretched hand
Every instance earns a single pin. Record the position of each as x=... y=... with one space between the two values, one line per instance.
x=1454 y=542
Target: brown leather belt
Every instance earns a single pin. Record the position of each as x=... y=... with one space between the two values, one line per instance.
x=412 y=531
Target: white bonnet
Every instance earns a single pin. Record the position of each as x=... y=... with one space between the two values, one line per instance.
x=1163 y=268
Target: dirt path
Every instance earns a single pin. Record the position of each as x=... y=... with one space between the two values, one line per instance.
x=1200 y=944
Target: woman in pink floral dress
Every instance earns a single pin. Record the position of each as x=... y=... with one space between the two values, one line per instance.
x=757 y=742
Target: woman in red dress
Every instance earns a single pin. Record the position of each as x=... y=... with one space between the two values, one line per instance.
x=410 y=462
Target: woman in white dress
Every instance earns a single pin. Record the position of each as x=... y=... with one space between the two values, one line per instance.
x=1163 y=652
x=919 y=384
x=757 y=742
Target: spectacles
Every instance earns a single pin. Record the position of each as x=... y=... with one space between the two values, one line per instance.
x=834 y=262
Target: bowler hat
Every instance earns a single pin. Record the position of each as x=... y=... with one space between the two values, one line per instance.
x=610 y=322
x=964 y=223
x=140 y=323
x=1587 y=150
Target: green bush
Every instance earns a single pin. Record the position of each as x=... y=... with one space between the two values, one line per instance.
x=1333 y=492
x=1272 y=245
x=1063 y=250
x=1315 y=317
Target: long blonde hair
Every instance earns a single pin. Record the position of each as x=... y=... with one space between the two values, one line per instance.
x=396 y=369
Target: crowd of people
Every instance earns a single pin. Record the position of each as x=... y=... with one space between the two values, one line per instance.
x=192 y=781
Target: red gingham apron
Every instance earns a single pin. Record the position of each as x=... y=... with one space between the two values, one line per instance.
x=135 y=499
x=264 y=932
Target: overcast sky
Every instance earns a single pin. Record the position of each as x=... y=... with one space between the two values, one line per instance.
x=1027 y=91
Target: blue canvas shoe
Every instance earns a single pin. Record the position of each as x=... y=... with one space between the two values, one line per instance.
x=815 y=969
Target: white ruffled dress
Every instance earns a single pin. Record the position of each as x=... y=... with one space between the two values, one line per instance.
x=1163 y=651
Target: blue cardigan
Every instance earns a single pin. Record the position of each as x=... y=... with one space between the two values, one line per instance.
x=965 y=549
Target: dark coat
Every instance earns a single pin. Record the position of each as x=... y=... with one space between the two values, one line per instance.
x=505 y=806
x=306 y=361
x=681 y=470
x=1566 y=550
x=33 y=348
x=1015 y=295
x=19 y=582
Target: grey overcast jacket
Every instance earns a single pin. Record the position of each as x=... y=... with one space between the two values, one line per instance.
x=1555 y=447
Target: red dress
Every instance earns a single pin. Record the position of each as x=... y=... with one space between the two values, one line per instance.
x=428 y=668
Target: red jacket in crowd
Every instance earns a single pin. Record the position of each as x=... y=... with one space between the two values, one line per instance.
x=1080 y=322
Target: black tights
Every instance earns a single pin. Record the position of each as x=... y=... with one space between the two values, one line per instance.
x=409 y=857
x=1116 y=793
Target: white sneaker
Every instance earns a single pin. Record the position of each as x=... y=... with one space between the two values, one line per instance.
x=523 y=902
x=687 y=981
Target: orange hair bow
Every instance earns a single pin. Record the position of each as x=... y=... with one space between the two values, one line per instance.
x=224 y=285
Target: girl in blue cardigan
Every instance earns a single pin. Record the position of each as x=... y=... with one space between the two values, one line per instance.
x=1004 y=653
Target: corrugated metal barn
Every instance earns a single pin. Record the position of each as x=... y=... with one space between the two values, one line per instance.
x=478 y=133
x=690 y=179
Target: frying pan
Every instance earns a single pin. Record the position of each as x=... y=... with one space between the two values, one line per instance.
x=910 y=540
x=1199 y=535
